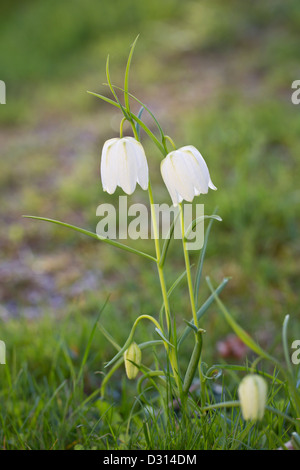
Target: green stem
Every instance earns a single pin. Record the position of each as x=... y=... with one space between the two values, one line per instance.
x=171 y=353
x=225 y=404
x=158 y=257
x=130 y=337
x=121 y=126
x=167 y=137
x=135 y=132
x=188 y=269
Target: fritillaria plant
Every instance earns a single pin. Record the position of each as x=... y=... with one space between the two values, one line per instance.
x=186 y=175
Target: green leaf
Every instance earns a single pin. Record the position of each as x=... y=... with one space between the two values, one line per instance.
x=136 y=118
x=191 y=325
x=203 y=309
x=109 y=337
x=145 y=107
x=197 y=221
x=112 y=89
x=241 y=333
x=89 y=343
x=94 y=235
x=159 y=332
x=137 y=126
x=201 y=260
x=126 y=81
x=105 y=98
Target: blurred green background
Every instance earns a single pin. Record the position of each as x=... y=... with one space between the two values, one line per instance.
x=217 y=75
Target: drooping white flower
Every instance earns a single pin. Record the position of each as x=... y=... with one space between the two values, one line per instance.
x=123 y=163
x=185 y=174
x=252 y=393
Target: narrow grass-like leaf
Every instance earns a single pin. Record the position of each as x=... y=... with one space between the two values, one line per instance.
x=145 y=107
x=197 y=221
x=136 y=118
x=201 y=260
x=109 y=337
x=137 y=126
x=159 y=332
x=203 y=309
x=126 y=80
x=241 y=333
x=105 y=98
x=191 y=325
x=112 y=89
x=243 y=369
x=93 y=235
x=89 y=343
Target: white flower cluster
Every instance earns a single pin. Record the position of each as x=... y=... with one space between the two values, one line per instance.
x=124 y=164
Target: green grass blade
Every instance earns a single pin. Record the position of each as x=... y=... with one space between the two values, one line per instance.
x=89 y=343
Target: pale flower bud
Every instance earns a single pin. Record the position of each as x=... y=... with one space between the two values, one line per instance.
x=185 y=174
x=123 y=163
x=252 y=393
x=132 y=355
x=2 y=352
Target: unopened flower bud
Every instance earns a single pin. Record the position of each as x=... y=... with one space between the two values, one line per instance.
x=252 y=393
x=2 y=352
x=132 y=356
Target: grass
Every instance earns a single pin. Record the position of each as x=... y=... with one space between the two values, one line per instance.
x=216 y=75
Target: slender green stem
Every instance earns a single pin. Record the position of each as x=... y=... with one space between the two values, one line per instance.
x=167 y=137
x=158 y=257
x=136 y=118
x=135 y=132
x=224 y=404
x=188 y=269
x=130 y=337
x=171 y=353
x=121 y=126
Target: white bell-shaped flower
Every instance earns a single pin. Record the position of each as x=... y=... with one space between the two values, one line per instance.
x=185 y=174
x=123 y=163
